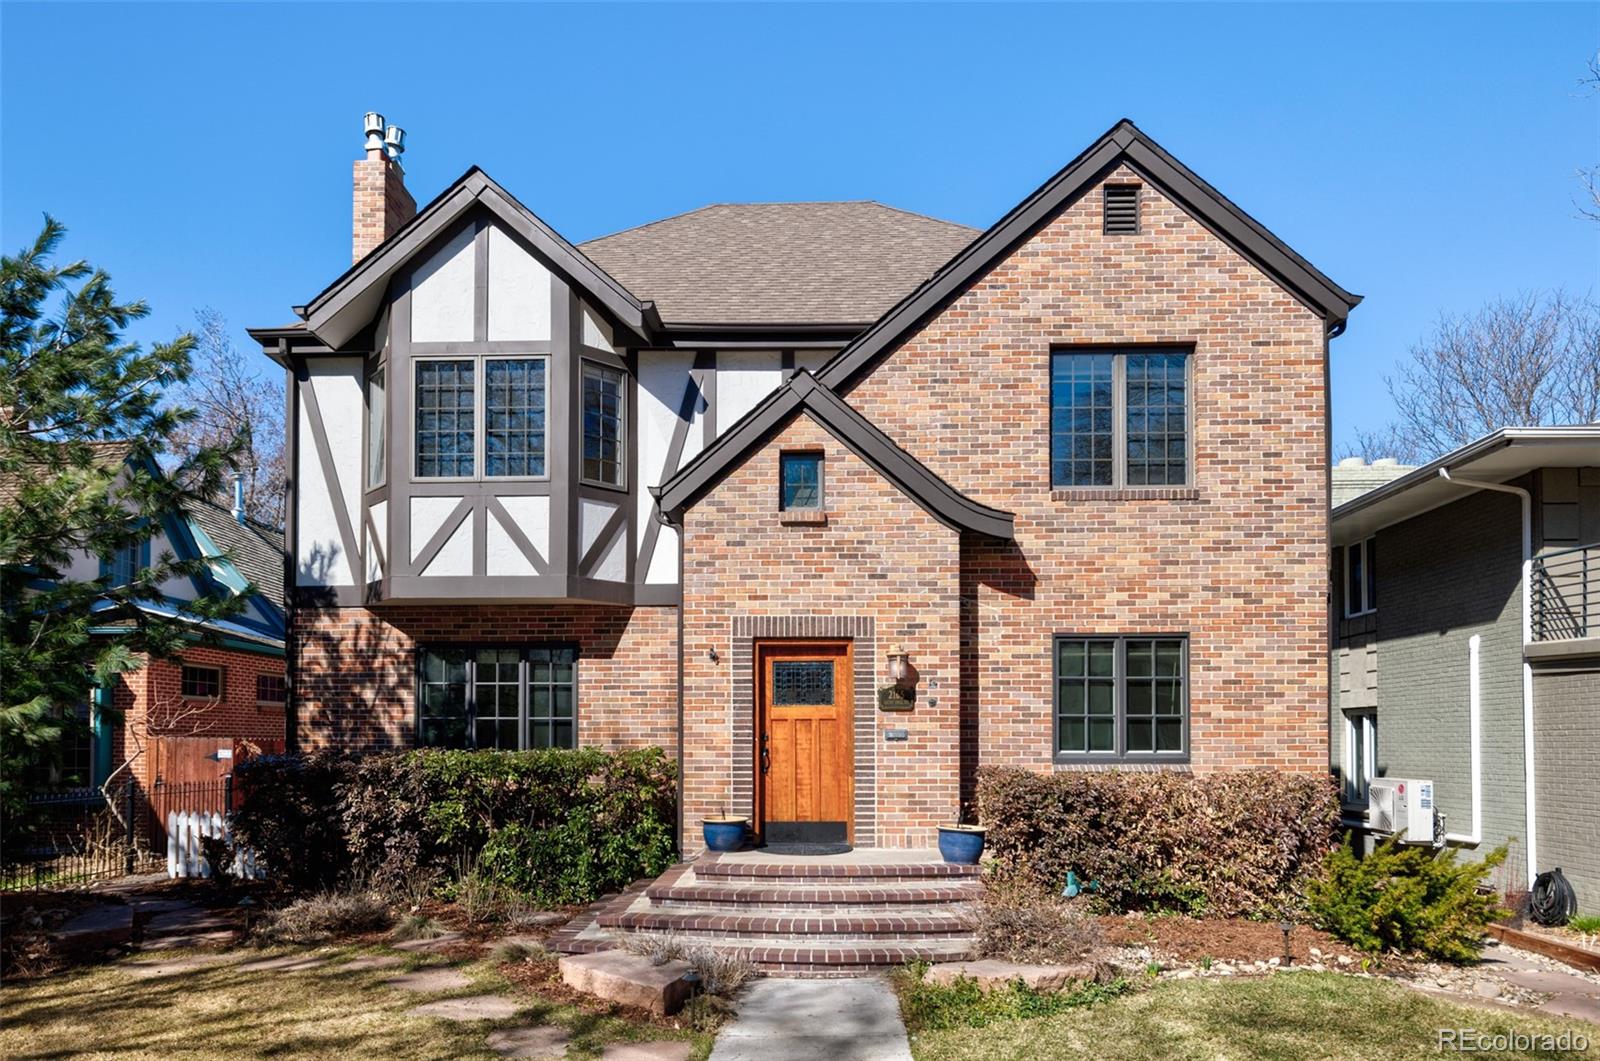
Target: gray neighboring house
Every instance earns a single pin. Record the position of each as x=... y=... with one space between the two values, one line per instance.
x=1466 y=648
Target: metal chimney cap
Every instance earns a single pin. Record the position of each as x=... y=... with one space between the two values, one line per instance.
x=395 y=139
x=373 y=125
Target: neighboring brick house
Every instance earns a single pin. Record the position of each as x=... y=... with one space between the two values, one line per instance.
x=834 y=502
x=1467 y=646
x=228 y=685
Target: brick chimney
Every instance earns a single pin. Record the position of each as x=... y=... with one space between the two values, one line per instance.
x=382 y=204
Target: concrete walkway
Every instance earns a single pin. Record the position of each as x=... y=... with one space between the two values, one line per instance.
x=1572 y=993
x=804 y=1020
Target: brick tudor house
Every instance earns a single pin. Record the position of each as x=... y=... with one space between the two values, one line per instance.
x=833 y=502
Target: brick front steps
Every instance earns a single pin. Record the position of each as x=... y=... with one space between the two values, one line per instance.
x=833 y=916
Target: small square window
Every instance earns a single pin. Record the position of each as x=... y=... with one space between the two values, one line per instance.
x=271 y=689
x=202 y=683
x=800 y=482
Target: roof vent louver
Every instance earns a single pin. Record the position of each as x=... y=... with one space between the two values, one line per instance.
x=1121 y=209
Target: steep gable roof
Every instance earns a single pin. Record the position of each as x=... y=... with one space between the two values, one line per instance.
x=349 y=303
x=254 y=549
x=1123 y=144
x=791 y=263
x=804 y=394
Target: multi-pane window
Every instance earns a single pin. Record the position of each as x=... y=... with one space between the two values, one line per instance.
x=376 y=436
x=1119 y=418
x=446 y=418
x=69 y=762
x=271 y=689
x=124 y=565
x=502 y=697
x=201 y=683
x=800 y=482
x=1121 y=698
x=1361 y=578
x=513 y=410
x=802 y=682
x=602 y=424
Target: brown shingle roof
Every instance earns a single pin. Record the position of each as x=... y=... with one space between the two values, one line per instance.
x=771 y=263
x=102 y=454
x=255 y=549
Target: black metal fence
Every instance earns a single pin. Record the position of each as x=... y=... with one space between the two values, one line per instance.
x=1566 y=594
x=74 y=838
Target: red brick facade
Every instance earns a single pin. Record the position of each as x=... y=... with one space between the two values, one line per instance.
x=879 y=556
x=355 y=684
x=381 y=203
x=150 y=705
x=1235 y=560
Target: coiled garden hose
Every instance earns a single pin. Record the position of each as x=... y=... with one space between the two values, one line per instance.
x=1553 y=901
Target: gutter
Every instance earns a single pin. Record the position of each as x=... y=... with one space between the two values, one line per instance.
x=1530 y=809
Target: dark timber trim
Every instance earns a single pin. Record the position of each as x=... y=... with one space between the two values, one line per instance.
x=473 y=189
x=804 y=394
x=1123 y=144
x=330 y=474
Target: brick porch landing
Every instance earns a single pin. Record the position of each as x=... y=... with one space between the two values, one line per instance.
x=831 y=915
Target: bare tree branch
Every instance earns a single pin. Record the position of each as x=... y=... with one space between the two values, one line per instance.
x=231 y=401
x=1522 y=361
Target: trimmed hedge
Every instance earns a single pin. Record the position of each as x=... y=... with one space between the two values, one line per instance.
x=1227 y=845
x=557 y=826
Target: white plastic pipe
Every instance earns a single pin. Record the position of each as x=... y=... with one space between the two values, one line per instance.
x=1475 y=753
x=1530 y=810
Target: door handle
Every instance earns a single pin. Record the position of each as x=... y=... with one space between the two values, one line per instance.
x=766 y=756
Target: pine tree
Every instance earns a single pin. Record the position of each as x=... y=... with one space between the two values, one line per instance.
x=84 y=431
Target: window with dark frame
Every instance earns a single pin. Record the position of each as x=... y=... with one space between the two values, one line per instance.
x=446 y=418
x=1119 y=418
x=1360 y=578
x=201 y=683
x=1121 y=698
x=513 y=411
x=272 y=689
x=602 y=424
x=377 y=415
x=124 y=565
x=504 y=697
x=800 y=482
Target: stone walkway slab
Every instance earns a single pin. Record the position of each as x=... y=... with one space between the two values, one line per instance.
x=284 y=963
x=475 y=1007
x=371 y=961
x=176 y=966
x=629 y=979
x=442 y=978
x=990 y=974
x=542 y=1040
x=665 y=1050
x=107 y=925
x=424 y=946
x=801 y=1020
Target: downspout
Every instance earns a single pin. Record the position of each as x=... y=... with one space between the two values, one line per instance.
x=1527 y=668
x=1475 y=753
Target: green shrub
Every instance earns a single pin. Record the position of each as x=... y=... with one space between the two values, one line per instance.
x=928 y=1006
x=1228 y=844
x=1408 y=899
x=1588 y=924
x=288 y=813
x=555 y=826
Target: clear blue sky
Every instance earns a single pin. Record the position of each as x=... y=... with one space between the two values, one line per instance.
x=1423 y=156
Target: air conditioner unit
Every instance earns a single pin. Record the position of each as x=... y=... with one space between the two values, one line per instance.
x=1402 y=806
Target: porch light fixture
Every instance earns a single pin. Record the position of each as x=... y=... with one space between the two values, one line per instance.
x=899 y=665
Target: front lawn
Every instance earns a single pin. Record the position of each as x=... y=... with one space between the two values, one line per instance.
x=1289 y=1015
x=224 y=1011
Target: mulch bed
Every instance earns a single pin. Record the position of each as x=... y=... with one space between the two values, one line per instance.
x=1188 y=939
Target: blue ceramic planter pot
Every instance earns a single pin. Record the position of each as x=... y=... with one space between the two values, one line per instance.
x=724 y=835
x=962 y=847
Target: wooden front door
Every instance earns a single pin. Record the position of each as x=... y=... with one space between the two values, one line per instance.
x=805 y=775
